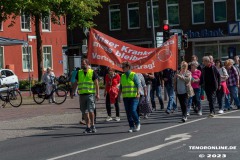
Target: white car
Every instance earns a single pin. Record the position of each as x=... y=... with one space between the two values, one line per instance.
x=7 y=76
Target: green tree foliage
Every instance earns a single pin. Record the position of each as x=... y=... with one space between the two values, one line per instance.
x=81 y=12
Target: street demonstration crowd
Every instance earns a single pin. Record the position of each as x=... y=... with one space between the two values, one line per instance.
x=190 y=83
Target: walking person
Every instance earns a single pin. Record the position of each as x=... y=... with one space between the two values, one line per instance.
x=88 y=89
x=130 y=89
x=210 y=80
x=168 y=76
x=223 y=90
x=183 y=88
x=112 y=83
x=233 y=82
x=196 y=74
x=157 y=84
x=143 y=106
x=48 y=78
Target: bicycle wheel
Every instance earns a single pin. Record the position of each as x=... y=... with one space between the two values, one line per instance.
x=59 y=96
x=15 y=98
x=39 y=98
x=65 y=87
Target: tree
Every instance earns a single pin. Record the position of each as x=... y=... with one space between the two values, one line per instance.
x=81 y=12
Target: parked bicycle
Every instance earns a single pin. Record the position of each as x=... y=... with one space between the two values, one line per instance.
x=63 y=82
x=58 y=95
x=11 y=95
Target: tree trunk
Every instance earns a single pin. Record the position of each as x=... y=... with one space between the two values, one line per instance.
x=39 y=47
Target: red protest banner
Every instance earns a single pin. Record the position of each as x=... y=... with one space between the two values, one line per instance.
x=107 y=51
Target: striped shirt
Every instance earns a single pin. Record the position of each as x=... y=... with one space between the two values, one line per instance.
x=233 y=77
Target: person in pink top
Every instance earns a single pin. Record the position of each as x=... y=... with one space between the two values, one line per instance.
x=196 y=74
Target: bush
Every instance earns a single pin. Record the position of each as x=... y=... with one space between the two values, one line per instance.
x=24 y=84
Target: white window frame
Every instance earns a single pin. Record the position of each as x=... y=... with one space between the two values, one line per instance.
x=49 y=21
x=135 y=8
x=173 y=5
x=148 y=7
x=193 y=3
x=110 y=18
x=21 y=20
x=236 y=18
x=3 y=62
x=214 y=1
x=31 y=57
x=51 y=56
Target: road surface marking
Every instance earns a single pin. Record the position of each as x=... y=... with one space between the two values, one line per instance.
x=183 y=137
x=130 y=138
x=227 y=117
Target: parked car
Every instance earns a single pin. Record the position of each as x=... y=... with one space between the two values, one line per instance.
x=7 y=76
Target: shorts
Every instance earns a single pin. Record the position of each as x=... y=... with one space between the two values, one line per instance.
x=87 y=103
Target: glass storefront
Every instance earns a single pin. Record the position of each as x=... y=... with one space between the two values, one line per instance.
x=218 y=49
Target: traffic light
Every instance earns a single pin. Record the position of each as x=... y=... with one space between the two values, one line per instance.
x=166 y=34
x=185 y=41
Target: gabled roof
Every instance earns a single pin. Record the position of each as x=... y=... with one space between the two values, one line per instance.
x=11 y=42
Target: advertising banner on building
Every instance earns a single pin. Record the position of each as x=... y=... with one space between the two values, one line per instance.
x=107 y=51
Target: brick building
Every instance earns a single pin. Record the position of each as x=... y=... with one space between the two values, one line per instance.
x=54 y=39
x=212 y=25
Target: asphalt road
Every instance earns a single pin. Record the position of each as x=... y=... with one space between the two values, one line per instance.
x=162 y=137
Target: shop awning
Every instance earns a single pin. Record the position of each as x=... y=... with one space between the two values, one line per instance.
x=11 y=42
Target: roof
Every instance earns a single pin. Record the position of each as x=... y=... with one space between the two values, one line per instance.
x=11 y=42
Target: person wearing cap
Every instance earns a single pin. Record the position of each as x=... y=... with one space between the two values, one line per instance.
x=196 y=74
x=210 y=80
x=233 y=81
x=48 y=79
x=130 y=89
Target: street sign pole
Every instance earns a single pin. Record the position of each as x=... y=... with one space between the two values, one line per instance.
x=152 y=25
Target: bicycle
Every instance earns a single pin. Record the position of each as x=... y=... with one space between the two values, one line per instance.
x=58 y=95
x=63 y=82
x=12 y=96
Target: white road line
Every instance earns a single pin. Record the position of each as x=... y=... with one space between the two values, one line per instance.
x=130 y=138
x=227 y=117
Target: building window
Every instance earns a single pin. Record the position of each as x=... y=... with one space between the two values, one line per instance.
x=133 y=16
x=173 y=12
x=220 y=11
x=26 y=57
x=47 y=57
x=1 y=57
x=237 y=9
x=25 y=22
x=114 y=17
x=46 y=23
x=1 y=26
x=198 y=11
x=155 y=14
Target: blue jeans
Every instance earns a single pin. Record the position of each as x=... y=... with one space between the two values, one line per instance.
x=171 y=103
x=234 y=93
x=227 y=101
x=197 y=92
x=131 y=110
x=158 y=90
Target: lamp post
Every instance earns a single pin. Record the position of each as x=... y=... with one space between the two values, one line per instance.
x=29 y=38
x=152 y=25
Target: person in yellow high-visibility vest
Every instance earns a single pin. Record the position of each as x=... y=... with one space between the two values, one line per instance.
x=88 y=90
x=130 y=89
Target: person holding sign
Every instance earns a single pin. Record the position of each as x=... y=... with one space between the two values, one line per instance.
x=130 y=89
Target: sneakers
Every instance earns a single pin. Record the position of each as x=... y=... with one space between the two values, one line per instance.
x=137 y=128
x=167 y=112
x=184 y=119
x=211 y=115
x=199 y=113
x=108 y=118
x=220 y=111
x=130 y=130
x=188 y=114
x=117 y=119
x=87 y=130
x=93 y=129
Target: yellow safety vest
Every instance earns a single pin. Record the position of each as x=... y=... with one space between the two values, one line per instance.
x=129 y=88
x=85 y=83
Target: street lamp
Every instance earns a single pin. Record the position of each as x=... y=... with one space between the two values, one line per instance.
x=152 y=25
